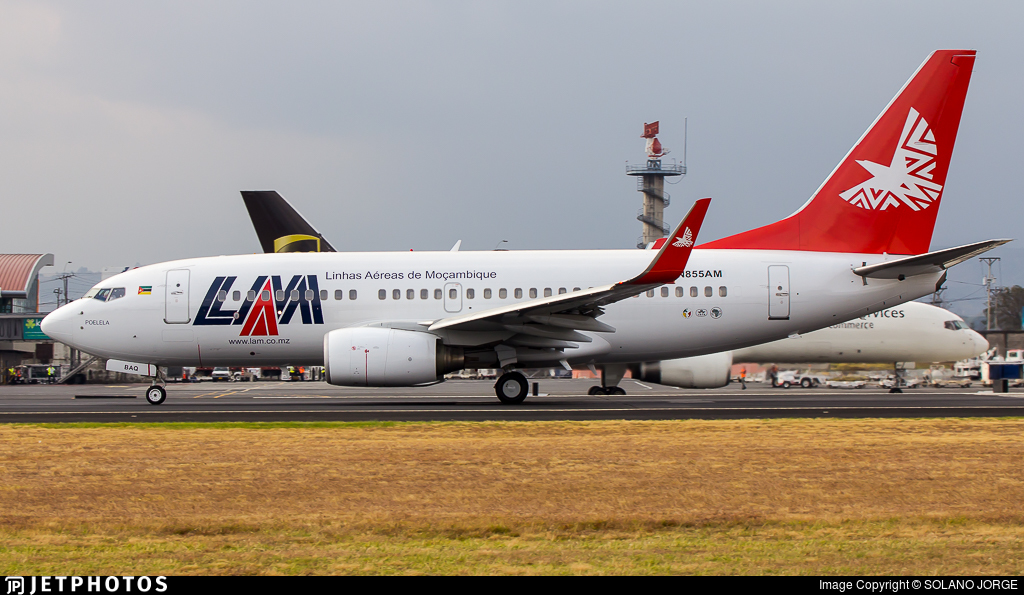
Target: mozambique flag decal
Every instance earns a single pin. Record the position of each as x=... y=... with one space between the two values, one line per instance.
x=145 y=289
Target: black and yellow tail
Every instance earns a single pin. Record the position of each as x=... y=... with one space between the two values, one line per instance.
x=279 y=227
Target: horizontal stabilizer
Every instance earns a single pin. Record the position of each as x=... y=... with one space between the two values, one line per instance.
x=932 y=262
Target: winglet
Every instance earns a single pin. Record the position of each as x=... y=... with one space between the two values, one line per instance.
x=670 y=261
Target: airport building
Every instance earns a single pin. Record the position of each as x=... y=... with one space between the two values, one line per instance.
x=21 y=340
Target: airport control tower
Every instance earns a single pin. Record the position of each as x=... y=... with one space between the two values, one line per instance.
x=650 y=180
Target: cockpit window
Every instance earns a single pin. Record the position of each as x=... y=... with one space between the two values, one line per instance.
x=90 y=294
x=106 y=294
x=956 y=325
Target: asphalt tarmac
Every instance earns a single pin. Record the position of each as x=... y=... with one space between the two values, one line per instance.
x=474 y=400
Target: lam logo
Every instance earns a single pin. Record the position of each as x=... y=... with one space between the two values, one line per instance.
x=908 y=179
x=267 y=305
x=685 y=240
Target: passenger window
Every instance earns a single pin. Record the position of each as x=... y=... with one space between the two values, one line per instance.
x=279 y=294
x=722 y=291
x=338 y=294
x=502 y=293
x=323 y=295
x=118 y=292
x=547 y=292
x=650 y=293
x=519 y=293
x=310 y=294
x=533 y=292
x=453 y=293
x=487 y=294
x=396 y=294
x=236 y=295
x=424 y=294
x=265 y=295
x=251 y=296
x=561 y=290
x=664 y=291
x=410 y=294
x=437 y=294
x=470 y=294
x=693 y=292
x=221 y=296
x=352 y=294
x=293 y=295
x=679 y=291
x=708 y=291
x=382 y=294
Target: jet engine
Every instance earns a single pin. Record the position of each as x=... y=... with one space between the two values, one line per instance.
x=702 y=371
x=368 y=356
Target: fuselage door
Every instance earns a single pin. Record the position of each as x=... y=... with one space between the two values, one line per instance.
x=778 y=292
x=176 y=297
x=452 y=297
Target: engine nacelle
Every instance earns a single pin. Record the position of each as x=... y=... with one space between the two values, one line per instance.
x=702 y=371
x=387 y=357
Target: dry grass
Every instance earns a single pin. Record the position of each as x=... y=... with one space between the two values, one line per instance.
x=854 y=496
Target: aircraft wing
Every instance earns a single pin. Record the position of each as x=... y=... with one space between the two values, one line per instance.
x=931 y=262
x=559 y=317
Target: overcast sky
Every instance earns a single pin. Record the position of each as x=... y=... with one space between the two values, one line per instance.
x=128 y=128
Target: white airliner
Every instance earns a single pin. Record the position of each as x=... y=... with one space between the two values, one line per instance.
x=858 y=246
x=909 y=332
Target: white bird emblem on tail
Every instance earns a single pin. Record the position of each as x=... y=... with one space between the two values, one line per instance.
x=684 y=241
x=907 y=180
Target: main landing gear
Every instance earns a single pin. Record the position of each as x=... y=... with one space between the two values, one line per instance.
x=610 y=378
x=512 y=388
x=156 y=394
x=616 y=391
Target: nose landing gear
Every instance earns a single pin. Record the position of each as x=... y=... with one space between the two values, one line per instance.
x=157 y=394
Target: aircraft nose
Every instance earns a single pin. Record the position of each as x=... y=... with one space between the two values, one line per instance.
x=979 y=342
x=58 y=325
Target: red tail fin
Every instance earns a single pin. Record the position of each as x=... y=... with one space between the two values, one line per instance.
x=885 y=194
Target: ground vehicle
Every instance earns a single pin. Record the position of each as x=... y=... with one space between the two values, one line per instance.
x=221 y=373
x=788 y=378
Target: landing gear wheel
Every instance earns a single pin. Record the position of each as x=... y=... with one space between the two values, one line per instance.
x=806 y=383
x=895 y=390
x=616 y=391
x=155 y=395
x=596 y=390
x=512 y=388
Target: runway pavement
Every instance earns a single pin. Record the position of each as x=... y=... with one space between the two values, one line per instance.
x=474 y=400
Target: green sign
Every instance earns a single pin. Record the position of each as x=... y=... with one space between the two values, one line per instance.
x=32 y=331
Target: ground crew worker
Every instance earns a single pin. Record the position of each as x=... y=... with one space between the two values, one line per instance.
x=775 y=375
x=743 y=377
x=10 y=375
x=49 y=375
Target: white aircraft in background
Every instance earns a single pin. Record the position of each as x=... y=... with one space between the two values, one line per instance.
x=909 y=332
x=406 y=318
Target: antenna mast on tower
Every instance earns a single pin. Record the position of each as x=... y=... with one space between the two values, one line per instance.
x=650 y=180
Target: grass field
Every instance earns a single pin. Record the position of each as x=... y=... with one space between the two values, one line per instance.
x=778 y=496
